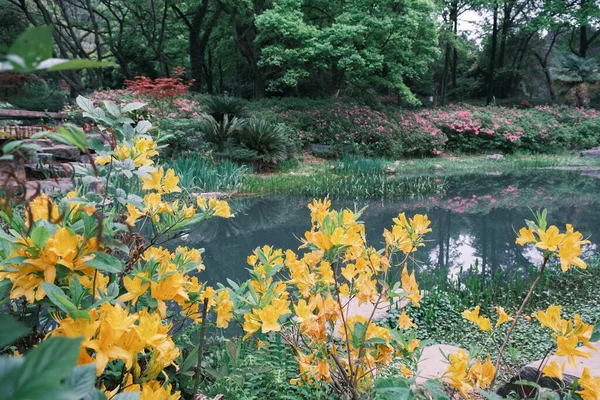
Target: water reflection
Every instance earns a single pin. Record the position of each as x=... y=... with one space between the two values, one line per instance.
x=473 y=222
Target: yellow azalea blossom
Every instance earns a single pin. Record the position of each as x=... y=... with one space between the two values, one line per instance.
x=566 y=346
x=590 y=386
x=525 y=236
x=42 y=208
x=410 y=286
x=405 y=371
x=404 y=322
x=133 y=214
x=549 y=238
x=472 y=316
x=160 y=182
x=269 y=317
x=550 y=318
x=218 y=208
x=135 y=288
x=251 y=324
x=224 y=309
x=482 y=374
x=554 y=370
x=569 y=249
x=154 y=390
x=456 y=374
x=502 y=316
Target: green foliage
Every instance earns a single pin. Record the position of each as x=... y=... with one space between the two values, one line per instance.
x=238 y=370
x=185 y=133
x=39 y=96
x=221 y=133
x=220 y=106
x=267 y=141
x=199 y=174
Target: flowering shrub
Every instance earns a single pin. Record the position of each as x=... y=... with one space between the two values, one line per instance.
x=317 y=288
x=457 y=128
x=85 y=261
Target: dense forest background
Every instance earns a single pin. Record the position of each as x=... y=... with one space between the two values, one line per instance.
x=398 y=51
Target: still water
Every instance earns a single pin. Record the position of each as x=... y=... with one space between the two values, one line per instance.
x=473 y=217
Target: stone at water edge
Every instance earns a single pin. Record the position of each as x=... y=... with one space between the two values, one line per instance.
x=592 y=153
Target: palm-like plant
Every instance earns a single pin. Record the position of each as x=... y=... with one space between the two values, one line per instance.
x=220 y=133
x=220 y=106
x=267 y=140
x=576 y=75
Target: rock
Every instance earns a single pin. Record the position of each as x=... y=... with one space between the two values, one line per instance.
x=217 y=195
x=411 y=163
x=63 y=152
x=45 y=158
x=593 y=153
x=390 y=170
x=532 y=374
x=438 y=167
x=592 y=363
x=497 y=157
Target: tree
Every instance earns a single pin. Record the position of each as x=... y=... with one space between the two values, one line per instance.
x=576 y=74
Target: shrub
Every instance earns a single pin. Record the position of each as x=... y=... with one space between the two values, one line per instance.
x=185 y=135
x=221 y=133
x=197 y=173
x=267 y=141
x=220 y=106
x=40 y=96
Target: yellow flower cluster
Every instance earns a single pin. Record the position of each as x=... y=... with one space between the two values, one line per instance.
x=568 y=335
x=465 y=377
x=141 y=152
x=337 y=267
x=37 y=257
x=566 y=246
x=484 y=323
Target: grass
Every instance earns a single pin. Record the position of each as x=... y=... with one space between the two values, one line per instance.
x=199 y=174
x=355 y=177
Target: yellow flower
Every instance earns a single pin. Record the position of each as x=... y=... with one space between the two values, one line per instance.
x=224 y=309
x=133 y=214
x=304 y=311
x=456 y=374
x=590 y=386
x=42 y=208
x=154 y=390
x=550 y=318
x=218 y=208
x=410 y=286
x=553 y=370
x=160 y=182
x=251 y=324
x=502 y=316
x=525 y=236
x=404 y=322
x=405 y=371
x=472 y=316
x=569 y=249
x=135 y=288
x=566 y=346
x=483 y=323
x=269 y=317
x=482 y=374
x=549 y=239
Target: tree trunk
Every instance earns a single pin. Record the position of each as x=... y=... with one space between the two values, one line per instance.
x=445 y=74
x=196 y=60
x=454 y=19
x=491 y=69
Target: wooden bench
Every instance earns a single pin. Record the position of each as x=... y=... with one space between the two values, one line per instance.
x=25 y=131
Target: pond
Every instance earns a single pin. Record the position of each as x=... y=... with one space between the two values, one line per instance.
x=474 y=218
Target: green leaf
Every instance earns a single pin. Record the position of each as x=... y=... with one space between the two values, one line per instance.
x=50 y=362
x=81 y=380
x=40 y=236
x=10 y=330
x=105 y=262
x=112 y=108
x=85 y=104
x=63 y=64
x=31 y=48
x=132 y=107
x=595 y=333
x=58 y=297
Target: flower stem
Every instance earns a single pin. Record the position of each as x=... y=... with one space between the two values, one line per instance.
x=519 y=312
x=200 y=347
